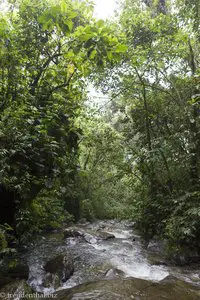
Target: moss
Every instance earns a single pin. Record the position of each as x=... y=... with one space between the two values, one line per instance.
x=3 y=242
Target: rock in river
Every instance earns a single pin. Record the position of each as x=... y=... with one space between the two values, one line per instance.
x=72 y=232
x=90 y=238
x=130 y=288
x=114 y=273
x=106 y=235
x=62 y=265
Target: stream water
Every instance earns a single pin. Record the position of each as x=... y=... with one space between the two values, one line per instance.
x=96 y=259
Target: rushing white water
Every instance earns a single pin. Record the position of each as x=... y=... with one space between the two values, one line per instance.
x=94 y=257
x=127 y=256
x=121 y=234
x=140 y=270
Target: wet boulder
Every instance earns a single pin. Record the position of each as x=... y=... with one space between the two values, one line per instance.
x=106 y=235
x=169 y=279
x=130 y=288
x=72 y=232
x=83 y=222
x=89 y=238
x=114 y=273
x=51 y=280
x=62 y=265
x=101 y=226
x=156 y=262
x=156 y=246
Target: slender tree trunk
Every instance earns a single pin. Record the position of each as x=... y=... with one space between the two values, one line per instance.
x=152 y=174
x=195 y=136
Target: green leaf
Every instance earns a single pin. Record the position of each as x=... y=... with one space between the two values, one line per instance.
x=110 y=55
x=121 y=48
x=85 y=37
x=63 y=6
x=69 y=54
x=69 y=24
x=73 y=14
x=93 y=54
x=100 y=23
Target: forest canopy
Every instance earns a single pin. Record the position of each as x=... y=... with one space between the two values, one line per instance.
x=134 y=157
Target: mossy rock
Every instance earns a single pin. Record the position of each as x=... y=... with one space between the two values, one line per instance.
x=131 y=288
x=12 y=269
x=17 y=289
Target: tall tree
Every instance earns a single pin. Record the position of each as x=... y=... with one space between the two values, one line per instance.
x=48 y=51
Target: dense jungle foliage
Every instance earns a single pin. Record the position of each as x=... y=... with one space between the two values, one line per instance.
x=65 y=156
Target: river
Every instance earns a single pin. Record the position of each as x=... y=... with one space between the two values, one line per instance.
x=97 y=259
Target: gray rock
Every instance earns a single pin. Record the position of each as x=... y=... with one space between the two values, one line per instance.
x=51 y=280
x=169 y=279
x=62 y=265
x=114 y=273
x=83 y=221
x=112 y=222
x=90 y=238
x=106 y=235
x=72 y=232
x=156 y=246
x=101 y=226
x=159 y=263
x=131 y=288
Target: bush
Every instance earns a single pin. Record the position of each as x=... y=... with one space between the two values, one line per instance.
x=6 y=238
x=183 y=226
x=86 y=210
x=46 y=211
